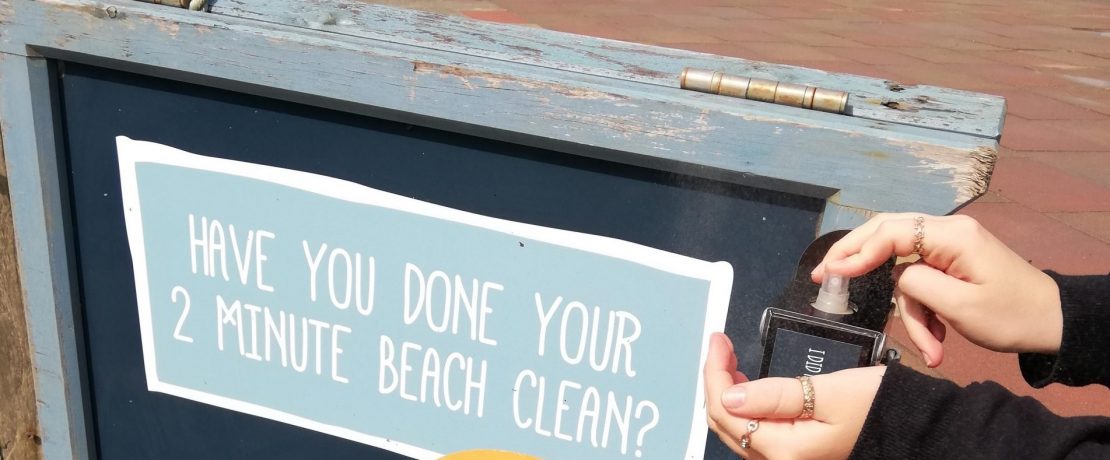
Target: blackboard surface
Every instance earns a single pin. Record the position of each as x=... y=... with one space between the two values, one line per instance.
x=761 y=233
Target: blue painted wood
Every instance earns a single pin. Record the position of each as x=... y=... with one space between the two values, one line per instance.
x=582 y=96
x=875 y=166
x=28 y=135
x=926 y=106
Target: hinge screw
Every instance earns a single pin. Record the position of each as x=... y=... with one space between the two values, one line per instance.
x=112 y=12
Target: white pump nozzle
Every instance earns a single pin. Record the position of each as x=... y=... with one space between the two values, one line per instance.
x=833 y=296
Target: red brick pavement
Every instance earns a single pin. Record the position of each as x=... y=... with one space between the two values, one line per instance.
x=1050 y=195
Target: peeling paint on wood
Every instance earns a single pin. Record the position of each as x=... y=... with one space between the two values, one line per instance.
x=559 y=106
x=952 y=110
x=19 y=423
x=496 y=81
x=30 y=155
x=968 y=173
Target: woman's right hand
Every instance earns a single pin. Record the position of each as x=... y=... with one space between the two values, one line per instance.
x=966 y=276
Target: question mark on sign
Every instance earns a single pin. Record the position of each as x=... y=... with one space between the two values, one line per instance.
x=654 y=421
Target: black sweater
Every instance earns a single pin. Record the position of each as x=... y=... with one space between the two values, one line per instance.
x=916 y=416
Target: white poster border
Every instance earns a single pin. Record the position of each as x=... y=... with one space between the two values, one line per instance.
x=132 y=152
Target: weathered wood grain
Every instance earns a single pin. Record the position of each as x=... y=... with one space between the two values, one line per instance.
x=31 y=157
x=19 y=434
x=871 y=98
x=875 y=166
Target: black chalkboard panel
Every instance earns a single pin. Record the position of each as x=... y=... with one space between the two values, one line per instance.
x=761 y=233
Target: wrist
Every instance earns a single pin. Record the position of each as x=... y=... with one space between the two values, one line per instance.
x=1050 y=320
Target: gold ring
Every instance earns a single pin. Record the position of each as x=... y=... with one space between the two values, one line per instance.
x=918 y=235
x=809 y=399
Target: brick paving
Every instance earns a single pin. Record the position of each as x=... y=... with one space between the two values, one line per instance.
x=1050 y=195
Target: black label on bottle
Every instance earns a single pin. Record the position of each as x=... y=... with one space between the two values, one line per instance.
x=798 y=354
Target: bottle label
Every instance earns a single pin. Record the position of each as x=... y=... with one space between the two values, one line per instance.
x=798 y=354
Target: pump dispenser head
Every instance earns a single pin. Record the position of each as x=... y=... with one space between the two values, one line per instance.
x=833 y=296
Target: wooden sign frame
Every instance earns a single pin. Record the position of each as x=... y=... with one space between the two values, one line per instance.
x=900 y=148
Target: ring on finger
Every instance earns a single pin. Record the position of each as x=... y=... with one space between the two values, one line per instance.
x=746 y=439
x=918 y=235
x=809 y=398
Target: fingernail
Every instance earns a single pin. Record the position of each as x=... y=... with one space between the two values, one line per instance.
x=734 y=397
x=818 y=267
x=928 y=359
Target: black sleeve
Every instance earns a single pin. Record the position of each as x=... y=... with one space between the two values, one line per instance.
x=1084 y=356
x=917 y=416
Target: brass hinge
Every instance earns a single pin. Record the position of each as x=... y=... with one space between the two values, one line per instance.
x=195 y=5
x=758 y=89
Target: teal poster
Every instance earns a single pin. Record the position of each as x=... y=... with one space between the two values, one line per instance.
x=410 y=326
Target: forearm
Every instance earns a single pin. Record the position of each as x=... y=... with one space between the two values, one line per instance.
x=916 y=416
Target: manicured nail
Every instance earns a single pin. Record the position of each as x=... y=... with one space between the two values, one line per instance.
x=734 y=397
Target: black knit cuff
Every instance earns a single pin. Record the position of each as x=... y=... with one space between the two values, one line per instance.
x=1085 y=304
x=902 y=422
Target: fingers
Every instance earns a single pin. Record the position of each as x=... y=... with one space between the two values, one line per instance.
x=944 y=294
x=917 y=320
x=716 y=374
x=890 y=238
x=721 y=360
x=733 y=365
x=842 y=399
x=886 y=235
x=720 y=374
x=719 y=367
x=851 y=242
x=881 y=236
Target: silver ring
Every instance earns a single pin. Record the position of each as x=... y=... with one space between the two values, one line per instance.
x=746 y=439
x=918 y=235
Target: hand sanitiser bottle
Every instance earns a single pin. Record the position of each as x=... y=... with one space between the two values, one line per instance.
x=826 y=335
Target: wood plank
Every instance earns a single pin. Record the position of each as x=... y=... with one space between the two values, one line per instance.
x=19 y=433
x=28 y=131
x=874 y=166
x=871 y=98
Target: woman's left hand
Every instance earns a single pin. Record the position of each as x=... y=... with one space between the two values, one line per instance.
x=841 y=403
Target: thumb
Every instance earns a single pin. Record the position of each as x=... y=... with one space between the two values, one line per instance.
x=720 y=368
x=840 y=397
x=772 y=397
